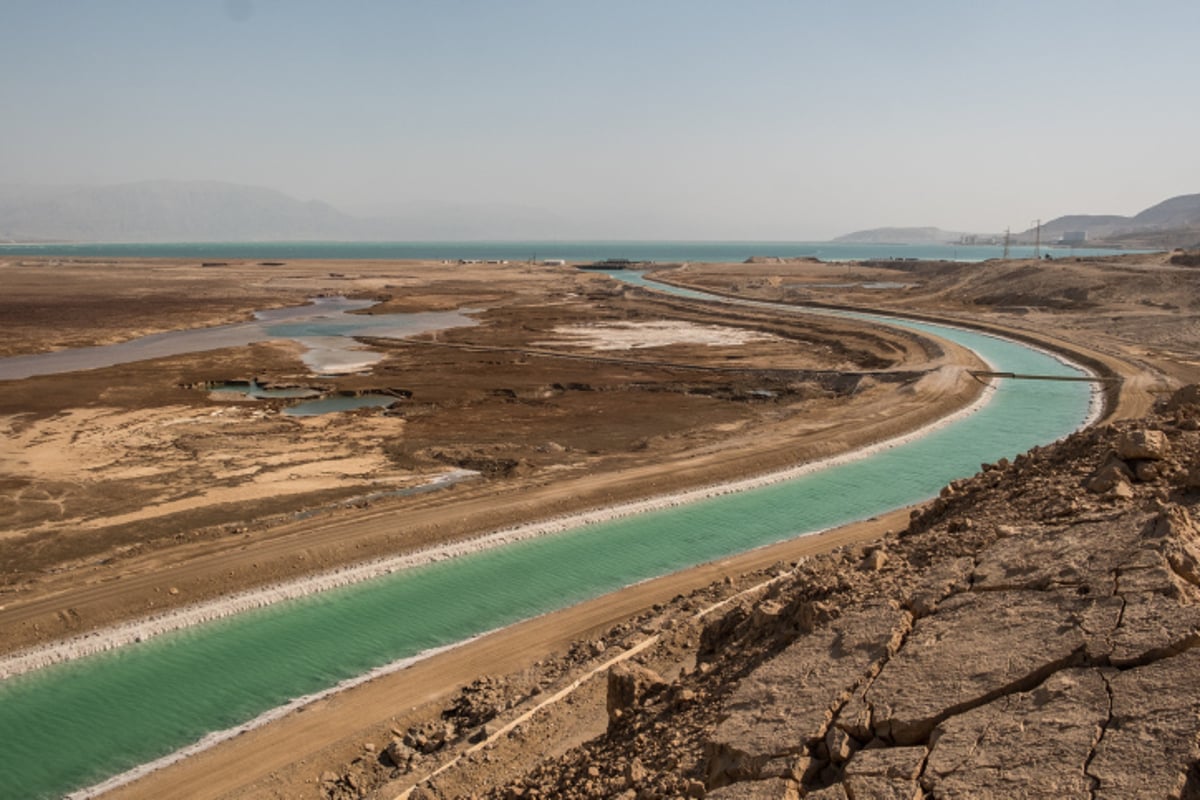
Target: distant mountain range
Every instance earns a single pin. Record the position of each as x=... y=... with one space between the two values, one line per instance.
x=900 y=236
x=165 y=211
x=208 y=211
x=1171 y=223
x=211 y=211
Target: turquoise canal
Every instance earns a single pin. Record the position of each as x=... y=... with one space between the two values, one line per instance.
x=76 y=724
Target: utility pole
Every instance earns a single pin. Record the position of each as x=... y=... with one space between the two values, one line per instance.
x=1006 y=240
x=1037 y=246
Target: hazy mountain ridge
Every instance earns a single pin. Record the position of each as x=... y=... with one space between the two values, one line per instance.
x=1077 y=222
x=1177 y=215
x=211 y=211
x=1174 y=222
x=926 y=235
x=166 y=211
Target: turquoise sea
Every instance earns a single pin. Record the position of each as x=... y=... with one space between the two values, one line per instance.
x=73 y=725
x=662 y=252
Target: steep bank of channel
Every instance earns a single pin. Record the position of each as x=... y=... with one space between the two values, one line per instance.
x=161 y=695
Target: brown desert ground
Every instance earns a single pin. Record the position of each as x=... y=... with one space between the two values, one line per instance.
x=131 y=489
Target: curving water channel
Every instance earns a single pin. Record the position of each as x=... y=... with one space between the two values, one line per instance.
x=76 y=724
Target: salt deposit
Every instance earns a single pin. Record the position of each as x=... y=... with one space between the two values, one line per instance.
x=635 y=335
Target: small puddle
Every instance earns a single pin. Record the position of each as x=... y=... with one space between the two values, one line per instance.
x=316 y=401
x=334 y=403
x=258 y=391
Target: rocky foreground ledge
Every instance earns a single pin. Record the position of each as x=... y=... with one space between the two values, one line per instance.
x=1032 y=633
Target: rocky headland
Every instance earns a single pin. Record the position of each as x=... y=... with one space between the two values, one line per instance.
x=1032 y=632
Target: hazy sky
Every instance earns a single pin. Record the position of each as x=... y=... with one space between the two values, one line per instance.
x=646 y=119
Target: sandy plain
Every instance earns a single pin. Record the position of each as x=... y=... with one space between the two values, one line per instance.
x=84 y=564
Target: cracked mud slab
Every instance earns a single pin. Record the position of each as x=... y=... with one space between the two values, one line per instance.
x=950 y=662
x=1033 y=743
x=1150 y=747
x=886 y=774
x=817 y=674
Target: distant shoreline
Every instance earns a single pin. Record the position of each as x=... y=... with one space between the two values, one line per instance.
x=539 y=251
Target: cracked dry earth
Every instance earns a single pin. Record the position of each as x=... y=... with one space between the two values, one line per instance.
x=1032 y=633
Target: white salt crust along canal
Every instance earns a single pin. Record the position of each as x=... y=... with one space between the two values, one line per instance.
x=77 y=724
